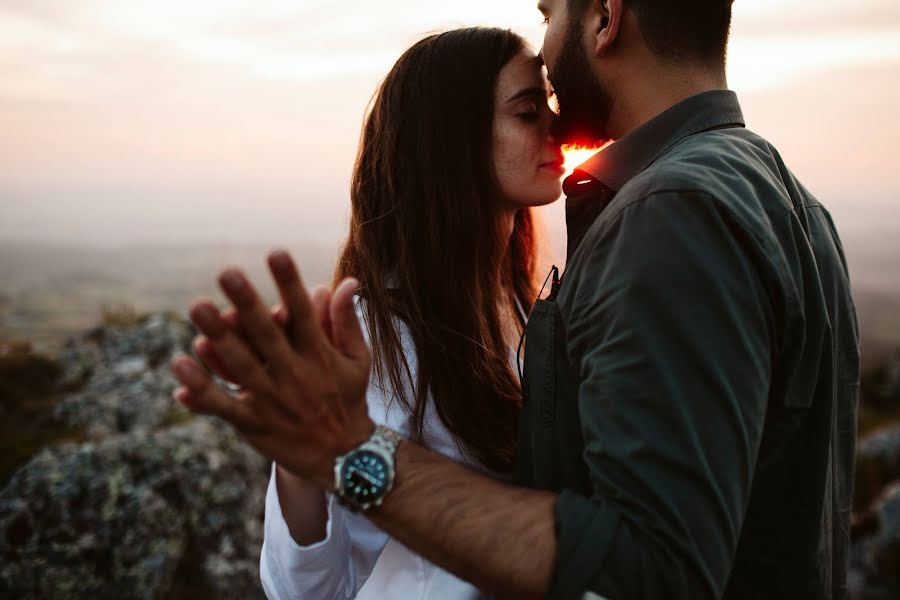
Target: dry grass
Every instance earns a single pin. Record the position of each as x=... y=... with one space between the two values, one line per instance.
x=122 y=314
x=28 y=392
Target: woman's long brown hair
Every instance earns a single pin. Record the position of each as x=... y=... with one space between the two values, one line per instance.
x=427 y=243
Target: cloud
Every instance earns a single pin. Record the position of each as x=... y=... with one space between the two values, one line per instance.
x=767 y=62
x=784 y=16
x=117 y=104
x=311 y=41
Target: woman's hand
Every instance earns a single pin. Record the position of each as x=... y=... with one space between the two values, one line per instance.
x=203 y=348
x=302 y=401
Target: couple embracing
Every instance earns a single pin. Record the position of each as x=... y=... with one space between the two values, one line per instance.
x=683 y=425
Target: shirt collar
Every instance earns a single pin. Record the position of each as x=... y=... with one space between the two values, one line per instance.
x=618 y=163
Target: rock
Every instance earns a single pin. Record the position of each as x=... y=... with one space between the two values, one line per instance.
x=155 y=337
x=875 y=560
x=129 y=385
x=877 y=464
x=886 y=547
x=130 y=366
x=78 y=360
x=133 y=515
x=156 y=503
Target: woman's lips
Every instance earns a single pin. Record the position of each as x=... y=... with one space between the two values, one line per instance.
x=557 y=165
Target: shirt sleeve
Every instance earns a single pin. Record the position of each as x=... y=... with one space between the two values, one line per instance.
x=320 y=570
x=670 y=336
x=339 y=565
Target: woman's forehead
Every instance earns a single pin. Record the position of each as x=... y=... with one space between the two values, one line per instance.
x=525 y=70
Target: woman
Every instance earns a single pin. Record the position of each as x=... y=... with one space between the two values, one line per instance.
x=456 y=148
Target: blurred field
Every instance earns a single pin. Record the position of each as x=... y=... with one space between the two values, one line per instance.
x=50 y=292
x=874 y=260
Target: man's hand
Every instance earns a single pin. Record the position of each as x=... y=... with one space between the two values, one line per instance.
x=302 y=402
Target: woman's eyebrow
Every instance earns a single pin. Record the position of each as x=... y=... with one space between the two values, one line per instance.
x=530 y=92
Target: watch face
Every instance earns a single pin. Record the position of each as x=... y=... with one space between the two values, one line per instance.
x=364 y=476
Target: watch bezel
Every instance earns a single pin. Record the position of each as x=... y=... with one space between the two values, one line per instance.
x=349 y=500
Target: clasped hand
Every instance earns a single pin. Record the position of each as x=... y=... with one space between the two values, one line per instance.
x=302 y=371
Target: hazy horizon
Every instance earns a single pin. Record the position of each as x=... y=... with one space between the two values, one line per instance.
x=220 y=122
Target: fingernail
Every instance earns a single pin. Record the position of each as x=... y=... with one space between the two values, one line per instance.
x=187 y=373
x=279 y=255
x=349 y=283
x=182 y=395
x=280 y=263
x=205 y=317
x=232 y=280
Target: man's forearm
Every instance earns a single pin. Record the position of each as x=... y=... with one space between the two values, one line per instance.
x=496 y=536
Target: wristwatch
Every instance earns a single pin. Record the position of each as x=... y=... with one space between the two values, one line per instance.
x=365 y=475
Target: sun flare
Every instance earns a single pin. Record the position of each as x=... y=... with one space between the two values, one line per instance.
x=575 y=155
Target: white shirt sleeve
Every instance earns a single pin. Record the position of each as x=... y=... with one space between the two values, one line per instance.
x=337 y=566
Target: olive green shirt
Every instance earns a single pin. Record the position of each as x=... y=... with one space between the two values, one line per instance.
x=690 y=387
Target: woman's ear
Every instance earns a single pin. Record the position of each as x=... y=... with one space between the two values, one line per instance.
x=605 y=15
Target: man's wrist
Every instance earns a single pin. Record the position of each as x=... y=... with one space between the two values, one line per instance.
x=323 y=477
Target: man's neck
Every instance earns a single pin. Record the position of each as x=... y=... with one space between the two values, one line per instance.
x=653 y=91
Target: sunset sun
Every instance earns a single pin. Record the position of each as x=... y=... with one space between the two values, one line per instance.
x=576 y=154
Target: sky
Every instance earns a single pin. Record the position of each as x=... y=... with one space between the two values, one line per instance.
x=198 y=121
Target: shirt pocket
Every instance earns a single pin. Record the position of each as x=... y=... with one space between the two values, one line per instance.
x=540 y=376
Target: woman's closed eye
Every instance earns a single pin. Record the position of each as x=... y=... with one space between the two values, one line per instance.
x=529 y=112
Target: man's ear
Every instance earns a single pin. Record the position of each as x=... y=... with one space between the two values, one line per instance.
x=605 y=18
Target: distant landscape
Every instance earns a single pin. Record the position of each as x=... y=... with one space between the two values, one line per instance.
x=51 y=292
x=874 y=261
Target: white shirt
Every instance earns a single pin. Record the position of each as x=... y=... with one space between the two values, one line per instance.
x=356 y=559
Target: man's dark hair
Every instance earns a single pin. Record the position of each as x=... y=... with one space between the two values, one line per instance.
x=680 y=30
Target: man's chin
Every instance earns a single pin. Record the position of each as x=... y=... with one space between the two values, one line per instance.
x=577 y=134
x=578 y=128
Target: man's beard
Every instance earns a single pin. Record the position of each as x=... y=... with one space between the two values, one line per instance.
x=584 y=105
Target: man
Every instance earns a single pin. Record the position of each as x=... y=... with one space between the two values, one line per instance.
x=690 y=386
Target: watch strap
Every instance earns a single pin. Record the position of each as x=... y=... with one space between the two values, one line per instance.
x=385 y=438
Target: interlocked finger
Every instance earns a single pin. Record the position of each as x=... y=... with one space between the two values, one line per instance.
x=261 y=331
x=347 y=333
x=243 y=367
x=203 y=350
x=321 y=302
x=305 y=332
x=201 y=394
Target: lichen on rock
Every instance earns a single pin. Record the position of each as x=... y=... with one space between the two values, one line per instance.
x=153 y=503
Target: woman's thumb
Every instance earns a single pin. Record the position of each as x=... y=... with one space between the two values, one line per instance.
x=347 y=334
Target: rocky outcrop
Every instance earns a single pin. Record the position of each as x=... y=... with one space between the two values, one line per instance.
x=152 y=502
x=127 y=384
x=155 y=504
x=875 y=556
x=877 y=464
